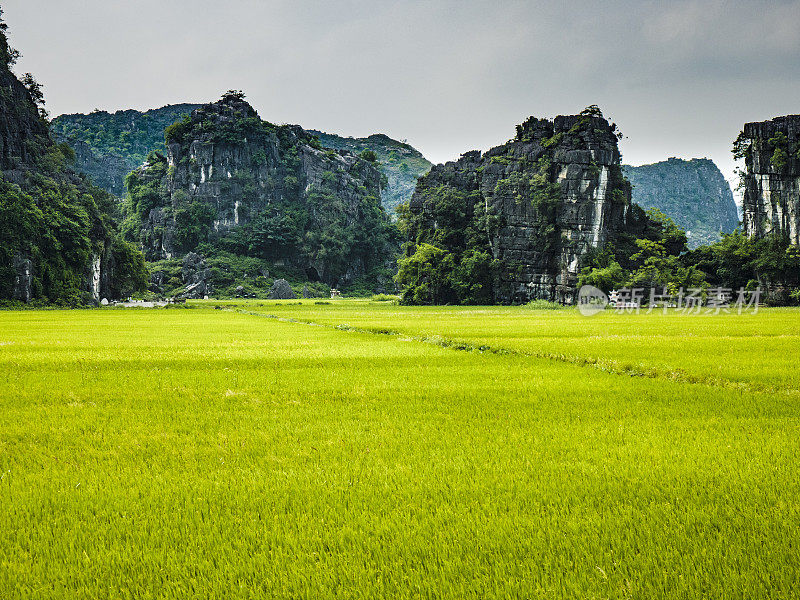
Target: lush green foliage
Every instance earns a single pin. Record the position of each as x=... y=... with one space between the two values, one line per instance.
x=60 y=226
x=128 y=134
x=300 y=461
x=233 y=275
x=739 y=261
x=779 y=144
x=369 y=155
x=449 y=263
x=659 y=258
x=649 y=256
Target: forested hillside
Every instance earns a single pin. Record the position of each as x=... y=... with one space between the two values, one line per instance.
x=59 y=241
x=108 y=146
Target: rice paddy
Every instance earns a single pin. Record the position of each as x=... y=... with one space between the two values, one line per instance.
x=360 y=450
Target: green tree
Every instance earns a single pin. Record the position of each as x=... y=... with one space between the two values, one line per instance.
x=425 y=276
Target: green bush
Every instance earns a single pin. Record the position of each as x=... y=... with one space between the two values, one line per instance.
x=369 y=156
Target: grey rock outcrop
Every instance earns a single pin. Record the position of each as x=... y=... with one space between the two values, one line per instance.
x=401 y=163
x=281 y=290
x=107 y=171
x=195 y=275
x=23 y=268
x=771 y=202
x=20 y=127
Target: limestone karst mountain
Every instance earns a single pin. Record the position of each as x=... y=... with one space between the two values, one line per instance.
x=230 y=182
x=526 y=212
x=694 y=193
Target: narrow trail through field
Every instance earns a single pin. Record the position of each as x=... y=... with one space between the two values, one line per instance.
x=607 y=366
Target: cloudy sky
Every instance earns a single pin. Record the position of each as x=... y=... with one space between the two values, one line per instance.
x=679 y=78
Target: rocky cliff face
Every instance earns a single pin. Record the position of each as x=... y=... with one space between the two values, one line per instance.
x=543 y=200
x=771 y=202
x=107 y=171
x=22 y=132
x=693 y=193
x=238 y=183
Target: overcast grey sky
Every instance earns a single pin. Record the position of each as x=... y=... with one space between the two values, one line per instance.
x=679 y=78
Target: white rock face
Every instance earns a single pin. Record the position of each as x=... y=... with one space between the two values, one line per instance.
x=599 y=203
x=96 y=278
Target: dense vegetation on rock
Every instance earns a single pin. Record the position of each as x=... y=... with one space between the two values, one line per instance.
x=647 y=255
x=254 y=200
x=693 y=193
x=660 y=260
x=514 y=223
x=398 y=161
x=58 y=233
x=108 y=146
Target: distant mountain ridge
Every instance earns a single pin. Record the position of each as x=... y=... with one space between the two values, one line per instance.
x=399 y=161
x=108 y=146
x=694 y=193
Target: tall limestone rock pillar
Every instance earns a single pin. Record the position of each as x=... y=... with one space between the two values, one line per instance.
x=771 y=202
x=538 y=203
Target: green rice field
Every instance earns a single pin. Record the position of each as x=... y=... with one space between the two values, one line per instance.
x=359 y=449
